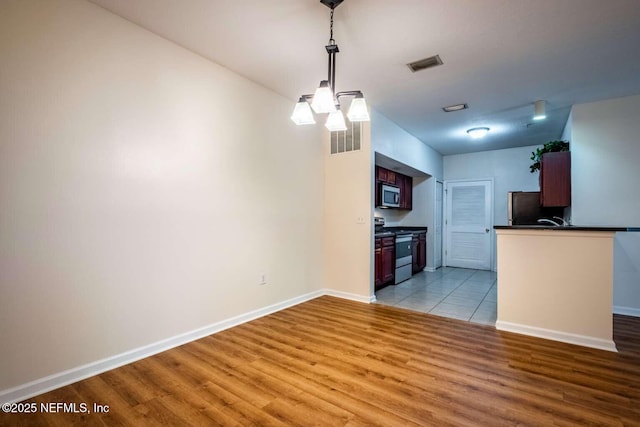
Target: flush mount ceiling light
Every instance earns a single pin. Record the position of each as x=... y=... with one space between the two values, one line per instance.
x=476 y=133
x=325 y=99
x=457 y=107
x=539 y=110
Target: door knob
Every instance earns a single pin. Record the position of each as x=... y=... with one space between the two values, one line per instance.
x=486 y=230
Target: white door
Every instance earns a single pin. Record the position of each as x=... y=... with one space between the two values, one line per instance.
x=438 y=232
x=468 y=224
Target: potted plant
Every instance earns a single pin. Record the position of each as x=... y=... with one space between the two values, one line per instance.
x=549 y=147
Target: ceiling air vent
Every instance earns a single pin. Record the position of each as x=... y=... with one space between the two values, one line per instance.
x=423 y=64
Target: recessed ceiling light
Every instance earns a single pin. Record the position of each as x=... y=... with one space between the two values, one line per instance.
x=456 y=107
x=476 y=133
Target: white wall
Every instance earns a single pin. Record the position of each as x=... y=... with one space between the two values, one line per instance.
x=605 y=154
x=567 y=132
x=605 y=175
x=348 y=230
x=143 y=191
x=389 y=139
x=509 y=169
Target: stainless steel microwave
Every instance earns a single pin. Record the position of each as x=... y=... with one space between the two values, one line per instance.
x=389 y=196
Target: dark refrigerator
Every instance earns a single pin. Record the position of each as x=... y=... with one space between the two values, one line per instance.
x=524 y=208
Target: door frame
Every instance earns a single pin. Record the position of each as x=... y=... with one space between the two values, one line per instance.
x=445 y=217
x=435 y=225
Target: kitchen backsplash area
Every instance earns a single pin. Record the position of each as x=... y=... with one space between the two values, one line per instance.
x=392 y=217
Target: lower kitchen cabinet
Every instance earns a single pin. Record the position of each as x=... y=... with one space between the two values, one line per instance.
x=419 y=252
x=384 y=260
x=422 y=251
x=378 y=263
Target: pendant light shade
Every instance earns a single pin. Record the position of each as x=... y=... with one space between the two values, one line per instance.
x=539 y=112
x=335 y=121
x=323 y=99
x=358 y=110
x=302 y=114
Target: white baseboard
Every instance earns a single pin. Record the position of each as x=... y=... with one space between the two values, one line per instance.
x=429 y=269
x=350 y=296
x=52 y=382
x=550 y=334
x=627 y=311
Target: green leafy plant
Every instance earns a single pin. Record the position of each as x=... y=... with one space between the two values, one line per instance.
x=549 y=147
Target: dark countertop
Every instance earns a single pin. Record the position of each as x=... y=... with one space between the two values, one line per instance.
x=385 y=234
x=392 y=231
x=564 y=228
x=408 y=229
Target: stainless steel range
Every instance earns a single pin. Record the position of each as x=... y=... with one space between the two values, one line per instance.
x=404 y=257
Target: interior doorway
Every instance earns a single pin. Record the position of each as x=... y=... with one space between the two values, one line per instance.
x=468 y=223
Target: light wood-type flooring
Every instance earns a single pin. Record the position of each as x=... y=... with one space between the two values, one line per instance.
x=333 y=362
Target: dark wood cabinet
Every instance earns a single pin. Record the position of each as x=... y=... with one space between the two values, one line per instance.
x=406 y=192
x=414 y=253
x=392 y=178
x=404 y=182
x=381 y=174
x=422 y=251
x=378 y=263
x=555 y=179
x=385 y=175
x=388 y=259
x=384 y=261
x=419 y=252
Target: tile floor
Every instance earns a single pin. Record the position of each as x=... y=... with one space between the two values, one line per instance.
x=459 y=293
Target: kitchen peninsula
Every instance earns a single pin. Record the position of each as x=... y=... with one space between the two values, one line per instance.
x=557 y=283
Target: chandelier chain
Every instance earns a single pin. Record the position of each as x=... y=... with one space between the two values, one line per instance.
x=331 y=40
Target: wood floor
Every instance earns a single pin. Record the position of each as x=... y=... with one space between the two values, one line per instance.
x=336 y=362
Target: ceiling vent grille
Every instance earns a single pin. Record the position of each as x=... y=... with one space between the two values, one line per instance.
x=423 y=64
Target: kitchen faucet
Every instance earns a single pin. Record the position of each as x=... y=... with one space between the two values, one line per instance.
x=561 y=219
x=548 y=221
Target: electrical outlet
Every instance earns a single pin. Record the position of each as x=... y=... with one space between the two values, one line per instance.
x=360 y=220
x=263 y=279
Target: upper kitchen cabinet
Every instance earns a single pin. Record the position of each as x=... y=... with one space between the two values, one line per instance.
x=385 y=175
x=406 y=192
x=403 y=182
x=555 y=179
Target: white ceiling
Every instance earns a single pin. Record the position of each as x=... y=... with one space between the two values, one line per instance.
x=499 y=56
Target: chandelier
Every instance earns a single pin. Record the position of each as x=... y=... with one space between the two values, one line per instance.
x=325 y=99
